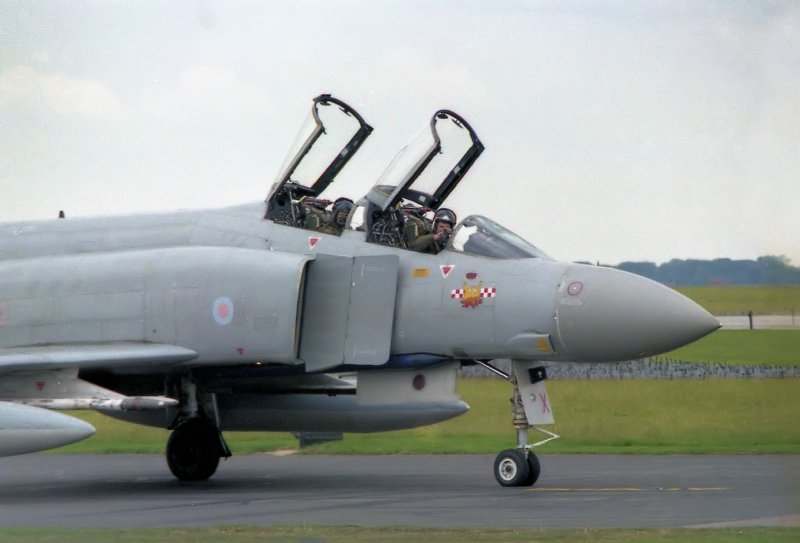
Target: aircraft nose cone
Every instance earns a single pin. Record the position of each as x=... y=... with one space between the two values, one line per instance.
x=605 y=314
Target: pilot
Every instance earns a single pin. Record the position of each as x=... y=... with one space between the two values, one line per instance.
x=341 y=210
x=443 y=223
x=332 y=222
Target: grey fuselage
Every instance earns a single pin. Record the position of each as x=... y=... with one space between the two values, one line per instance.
x=615 y=315
x=252 y=301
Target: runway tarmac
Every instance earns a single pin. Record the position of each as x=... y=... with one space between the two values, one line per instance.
x=437 y=491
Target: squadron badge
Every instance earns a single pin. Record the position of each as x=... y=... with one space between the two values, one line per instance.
x=472 y=294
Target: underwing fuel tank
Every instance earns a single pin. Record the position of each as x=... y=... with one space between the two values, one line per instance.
x=384 y=400
x=381 y=400
x=25 y=429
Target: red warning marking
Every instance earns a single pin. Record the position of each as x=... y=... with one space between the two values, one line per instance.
x=40 y=385
x=446 y=269
x=3 y=313
x=545 y=402
x=312 y=241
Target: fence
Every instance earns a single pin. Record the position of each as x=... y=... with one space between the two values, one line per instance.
x=756 y=321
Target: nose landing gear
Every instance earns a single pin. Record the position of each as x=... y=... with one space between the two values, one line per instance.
x=520 y=466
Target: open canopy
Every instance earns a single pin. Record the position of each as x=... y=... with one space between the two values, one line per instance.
x=428 y=169
x=327 y=141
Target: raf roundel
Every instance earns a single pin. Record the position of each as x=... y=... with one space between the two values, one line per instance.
x=222 y=310
x=574 y=288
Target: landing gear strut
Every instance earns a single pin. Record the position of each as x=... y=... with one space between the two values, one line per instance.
x=196 y=443
x=520 y=466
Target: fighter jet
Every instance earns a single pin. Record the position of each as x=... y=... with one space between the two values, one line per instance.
x=244 y=318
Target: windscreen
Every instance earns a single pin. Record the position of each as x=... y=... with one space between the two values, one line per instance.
x=477 y=235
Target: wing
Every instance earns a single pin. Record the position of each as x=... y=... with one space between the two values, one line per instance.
x=92 y=355
x=47 y=376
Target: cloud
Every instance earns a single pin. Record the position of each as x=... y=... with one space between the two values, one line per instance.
x=25 y=87
x=205 y=92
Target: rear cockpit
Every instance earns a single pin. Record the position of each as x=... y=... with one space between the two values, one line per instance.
x=404 y=208
x=329 y=138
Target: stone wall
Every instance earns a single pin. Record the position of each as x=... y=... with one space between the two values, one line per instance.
x=649 y=368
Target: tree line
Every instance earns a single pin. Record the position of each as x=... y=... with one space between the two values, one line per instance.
x=765 y=270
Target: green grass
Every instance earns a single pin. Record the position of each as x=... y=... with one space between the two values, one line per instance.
x=774 y=347
x=711 y=416
x=682 y=416
x=348 y=534
x=767 y=300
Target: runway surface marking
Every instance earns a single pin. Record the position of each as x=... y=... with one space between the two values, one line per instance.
x=628 y=489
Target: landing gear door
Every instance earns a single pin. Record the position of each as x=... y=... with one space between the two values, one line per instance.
x=348 y=311
x=530 y=380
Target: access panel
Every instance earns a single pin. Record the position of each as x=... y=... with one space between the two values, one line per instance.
x=348 y=311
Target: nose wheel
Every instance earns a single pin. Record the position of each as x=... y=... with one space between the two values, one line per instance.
x=516 y=467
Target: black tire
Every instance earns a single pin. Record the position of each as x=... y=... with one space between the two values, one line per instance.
x=511 y=468
x=534 y=469
x=193 y=450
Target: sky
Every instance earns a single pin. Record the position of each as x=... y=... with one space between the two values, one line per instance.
x=614 y=131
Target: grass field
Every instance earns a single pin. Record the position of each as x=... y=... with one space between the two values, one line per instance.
x=774 y=347
x=728 y=300
x=687 y=416
x=348 y=534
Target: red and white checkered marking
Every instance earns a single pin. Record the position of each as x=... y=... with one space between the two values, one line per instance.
x=486 y=292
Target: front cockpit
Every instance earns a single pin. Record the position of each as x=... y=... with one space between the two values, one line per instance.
x=401 y=209
x=404 y=208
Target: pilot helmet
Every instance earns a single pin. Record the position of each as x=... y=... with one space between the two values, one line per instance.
x=445 y=215
x=342 y=205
